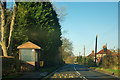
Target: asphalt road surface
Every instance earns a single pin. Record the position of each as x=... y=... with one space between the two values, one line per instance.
x=78 y=72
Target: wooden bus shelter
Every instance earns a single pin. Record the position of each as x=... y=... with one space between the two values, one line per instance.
x=29 y=56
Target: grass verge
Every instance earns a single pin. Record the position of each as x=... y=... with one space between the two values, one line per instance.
x=105 y=70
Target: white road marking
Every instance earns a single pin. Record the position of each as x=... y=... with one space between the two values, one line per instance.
x=79 y=73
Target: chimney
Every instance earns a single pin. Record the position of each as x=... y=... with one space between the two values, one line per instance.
x=92 y=51
x=113 y=50
x=105 y=48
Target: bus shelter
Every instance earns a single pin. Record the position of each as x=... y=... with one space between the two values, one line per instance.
x=29 y=56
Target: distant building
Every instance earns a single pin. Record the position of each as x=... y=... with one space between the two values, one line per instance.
x=101 y=53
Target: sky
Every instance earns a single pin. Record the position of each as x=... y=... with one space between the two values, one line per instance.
x=86 y=19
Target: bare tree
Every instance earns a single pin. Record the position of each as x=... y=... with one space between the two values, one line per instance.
x=61 y=12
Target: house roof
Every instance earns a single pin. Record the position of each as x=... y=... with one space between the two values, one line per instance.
x=102 y=51
x=28 y=45
x=92 y=54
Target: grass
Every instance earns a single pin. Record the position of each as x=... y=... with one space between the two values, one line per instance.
x=116 y=71
x=106 y=70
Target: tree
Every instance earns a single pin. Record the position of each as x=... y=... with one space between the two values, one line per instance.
x=4 y=42
x=89 y=61
x=37 y=22
x=79 y=59
x=61 y=12
x=66 y=49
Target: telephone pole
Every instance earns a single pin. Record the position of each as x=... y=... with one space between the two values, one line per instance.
x=79 y=54
x=84 y=51
x=84 y=54
x=95 y=50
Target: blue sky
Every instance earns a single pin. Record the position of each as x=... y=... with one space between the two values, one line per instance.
x=86 y=19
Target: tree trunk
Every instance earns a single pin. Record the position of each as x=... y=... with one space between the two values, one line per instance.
x=4 y=48
x=9 y=47
x=12 y=24
x=3 y=29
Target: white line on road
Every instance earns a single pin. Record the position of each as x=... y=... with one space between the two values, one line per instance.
x=79 y=73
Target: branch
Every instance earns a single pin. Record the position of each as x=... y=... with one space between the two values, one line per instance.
x=12 y=24
x=0 y=5
x=1 y=20
x=0 y=43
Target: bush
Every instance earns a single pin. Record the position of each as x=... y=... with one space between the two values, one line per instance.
x=8 y=65
x=108 y=61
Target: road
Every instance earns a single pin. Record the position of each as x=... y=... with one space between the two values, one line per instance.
x=78 y=72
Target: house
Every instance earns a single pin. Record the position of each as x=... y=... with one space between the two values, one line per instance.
x=101 y=53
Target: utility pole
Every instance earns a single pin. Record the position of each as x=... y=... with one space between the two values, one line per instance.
x=84 y=51
x=95 y=49
x=84 y=54
x=106 y=48
x=79 y=54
